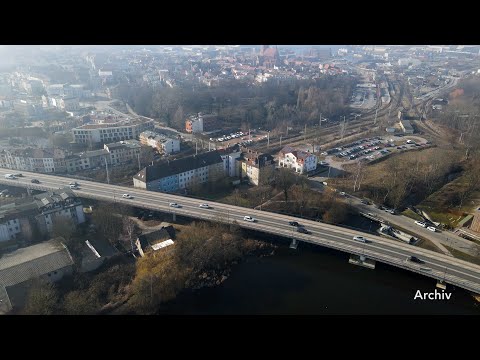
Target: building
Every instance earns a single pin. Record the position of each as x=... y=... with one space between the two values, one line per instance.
x=201 y=123
x=33 y=159
x=13 y=216
x=256 y=168
x=122 y=152
x=182 y=173
x=49 y=261
x=155 y=240
x=406 y=126
x=299 y=160
x=111 y=132
x=231 y=157
x=69 y=104
x=163 y=144
x=55 y=205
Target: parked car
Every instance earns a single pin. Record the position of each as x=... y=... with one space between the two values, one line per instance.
x=249 y=218
x=204 y=206
x=302 y=230
x=431 y=228
x=421 y=223
x=293 y=223
x=127 y=196
x=360 y=238
x=416 y=260
x=35 y=181
x=174 y=205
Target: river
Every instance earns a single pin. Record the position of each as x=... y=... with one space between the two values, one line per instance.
x=315 y=280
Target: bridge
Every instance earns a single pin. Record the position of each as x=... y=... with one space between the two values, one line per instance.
x=437 y=266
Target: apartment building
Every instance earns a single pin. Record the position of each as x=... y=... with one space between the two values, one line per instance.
x=301 y=161
x=256 y=167
x=164 y=144
x=111 y=132
x=182 y=173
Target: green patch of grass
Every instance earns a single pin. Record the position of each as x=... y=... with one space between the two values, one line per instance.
x=445 y=216
x=411 y=214
x=463 y=256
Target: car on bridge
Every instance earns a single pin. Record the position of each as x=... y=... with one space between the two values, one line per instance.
x=302 y=230
x=35 y=181
x=204 y=206
x=416 y=260
x=73 y=186
x=10 y=176
x=18 y=175
x=360 y=238
x=431 y=228
x=249 y=218
x=127 y=196
x=293 y=223
x=73 y=183
x=366 y=202
x=174 y=205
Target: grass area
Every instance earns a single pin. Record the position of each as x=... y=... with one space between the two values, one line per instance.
x=411 y=214
x=463 y=256
x=428 y=245
x=439 y=204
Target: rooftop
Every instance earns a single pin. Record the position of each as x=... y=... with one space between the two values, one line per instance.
x=178 y=166
x=33 y=261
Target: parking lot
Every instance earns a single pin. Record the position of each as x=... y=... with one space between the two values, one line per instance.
x=367 y=150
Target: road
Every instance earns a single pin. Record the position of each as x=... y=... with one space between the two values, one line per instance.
x=438 y=238
x=439 y=266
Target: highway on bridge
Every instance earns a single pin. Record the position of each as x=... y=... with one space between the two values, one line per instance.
x=439 y=266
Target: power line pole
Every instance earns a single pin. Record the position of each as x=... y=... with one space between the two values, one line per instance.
x=268 y=139
x=375 y=120
x=139 y=167
x=305 y=134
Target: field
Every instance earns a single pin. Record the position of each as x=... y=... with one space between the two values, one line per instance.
x=376 y=177
x=439 y=205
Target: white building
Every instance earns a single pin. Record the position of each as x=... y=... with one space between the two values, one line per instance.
x=162 y=143
x=299 y=160
x=111 y=132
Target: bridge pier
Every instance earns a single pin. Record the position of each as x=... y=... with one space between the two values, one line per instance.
x=294 y=244
x=441 y=285
x=174 y=217
x=362 y=260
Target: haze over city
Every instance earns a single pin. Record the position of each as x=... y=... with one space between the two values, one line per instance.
x=239 y=179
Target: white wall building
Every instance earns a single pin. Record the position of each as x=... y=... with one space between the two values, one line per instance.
x=299 y=160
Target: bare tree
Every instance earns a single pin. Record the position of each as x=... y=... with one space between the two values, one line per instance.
x=284 y=180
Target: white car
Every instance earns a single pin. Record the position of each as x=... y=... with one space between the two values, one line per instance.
x=249 y=218
x=204 y=206
x=127 y=196
x=73 y=183
x=360 y=238
x=323 y=163
x=342 y=193
x=175 y=205
x=421 y=223
x=431 y=228
x=73 y=186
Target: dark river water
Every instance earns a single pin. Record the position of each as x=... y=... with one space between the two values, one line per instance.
x=315 y=280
